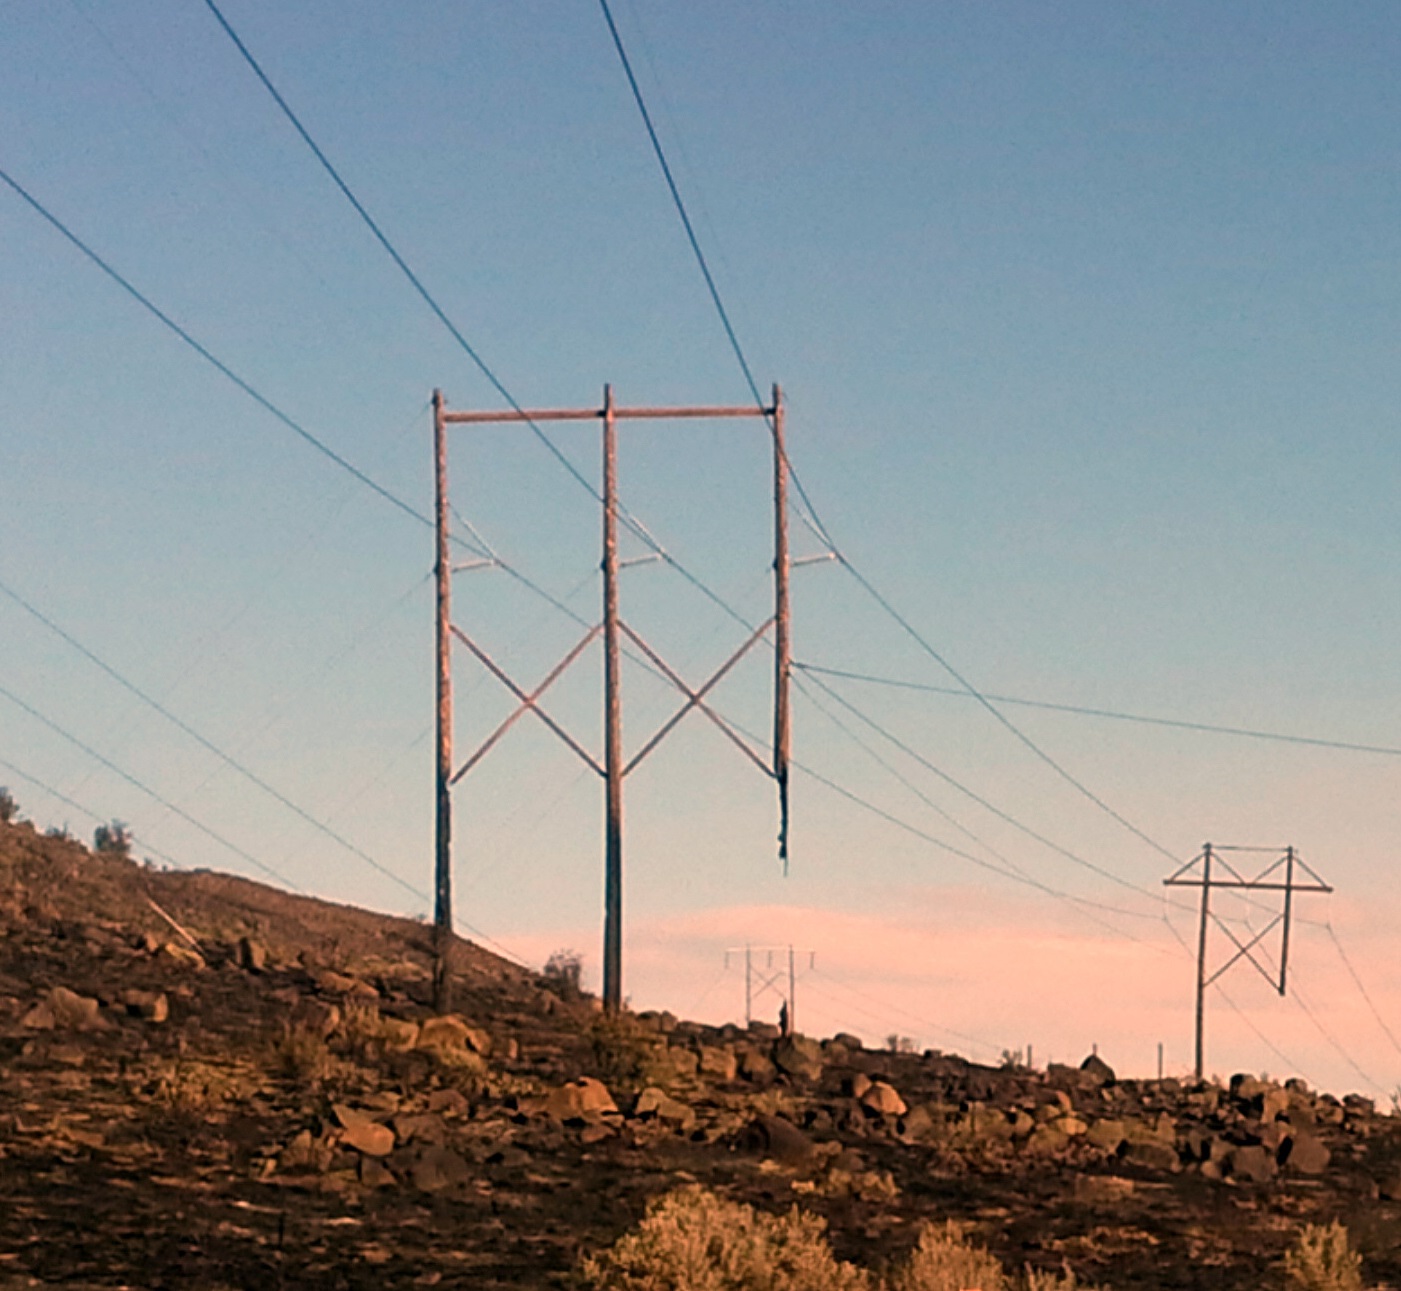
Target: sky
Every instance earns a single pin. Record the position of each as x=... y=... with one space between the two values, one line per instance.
x=1087 y=323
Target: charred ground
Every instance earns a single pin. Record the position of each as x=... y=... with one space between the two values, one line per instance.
x=275 y=1105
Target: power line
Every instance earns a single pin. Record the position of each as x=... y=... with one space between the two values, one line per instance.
x=417 y=283
x=1080 y=710
x=218 y=364
x=1366 y=995
x=699 y=254
x=87 y=811
x=978 y=798
x=144 y=788
x=208 y=745
x=861 y=578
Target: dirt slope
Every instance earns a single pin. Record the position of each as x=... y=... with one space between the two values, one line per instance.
x=279 y=1107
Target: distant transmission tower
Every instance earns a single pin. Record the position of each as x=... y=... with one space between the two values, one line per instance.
x=612 y=769
x=765 y=978
x=1198 y=873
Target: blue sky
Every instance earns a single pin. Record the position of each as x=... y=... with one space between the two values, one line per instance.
x=1088 y=322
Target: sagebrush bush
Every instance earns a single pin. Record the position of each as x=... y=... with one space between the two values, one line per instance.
x=1323 y=1260
x=9 y=808
x=300 y=1054
x=692 y=1240
x=945 y=1260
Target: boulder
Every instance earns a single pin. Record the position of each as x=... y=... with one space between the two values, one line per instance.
x=775 y=1138
x=1305 y=1154
x=449 y=1102
x=1153 y=1154
x=764 y=1030
x=656 y=1104
x=332 y=983
x=450 y=1032
x=1096 y=1071
x=374 y=1173
x=683 y=1062
x=362 y=1132
x=419 y=1127
x=436 y=1168
x=1253 y=1163
x=1108 y=1135
x=856 y=1084
x=399 y=1034
x=883 y=1099
x=916 y=1124
x=756 y=1066
x=67 y=1011
x=582 y=1099
x=717 y=1063
x=849 y=1042
x=796 y=1055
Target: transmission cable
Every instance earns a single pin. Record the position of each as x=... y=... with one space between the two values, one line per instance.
x=1080 y=710
x=203 y=741
x=1366 y=994
x=266 y=404
x=418 y=285
x=861 y=578
x=86 y=811
x=699 y=254
x=146 y=789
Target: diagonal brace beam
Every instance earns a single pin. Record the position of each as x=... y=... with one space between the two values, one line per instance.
x=696 y=697
x=528 y=702
x=696 y=700
x=1244 y=949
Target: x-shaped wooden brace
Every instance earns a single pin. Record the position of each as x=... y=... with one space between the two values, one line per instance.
x=696 y=698
x=529 y=700
x=529 y=703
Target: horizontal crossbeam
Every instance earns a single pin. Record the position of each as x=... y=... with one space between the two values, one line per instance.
x=597 y=414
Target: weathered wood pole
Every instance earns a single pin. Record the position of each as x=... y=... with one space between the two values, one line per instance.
x=442 y=904
x=613 y=723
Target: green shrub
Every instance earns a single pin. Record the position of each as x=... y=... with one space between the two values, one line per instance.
x=563 y=973
x=9 y=808
x=112 y=840
x=1323 y=1260
x=692 y=1240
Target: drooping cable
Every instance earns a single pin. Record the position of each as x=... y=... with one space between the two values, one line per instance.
x=146 y=789
x=1357 y=980
x=203 y=351
x=203 y=741
x=1207 y=728
x=87 y=811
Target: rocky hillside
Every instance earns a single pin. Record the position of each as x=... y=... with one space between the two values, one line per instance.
x=208 y=1083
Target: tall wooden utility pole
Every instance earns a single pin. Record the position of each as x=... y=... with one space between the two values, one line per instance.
x=442 y=869
x=612 y=722
x=613 y=769
x=1265 y=881
x=783 y=649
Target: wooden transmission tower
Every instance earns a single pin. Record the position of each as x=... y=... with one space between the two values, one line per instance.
x=1281 y=875
x=612 y=768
